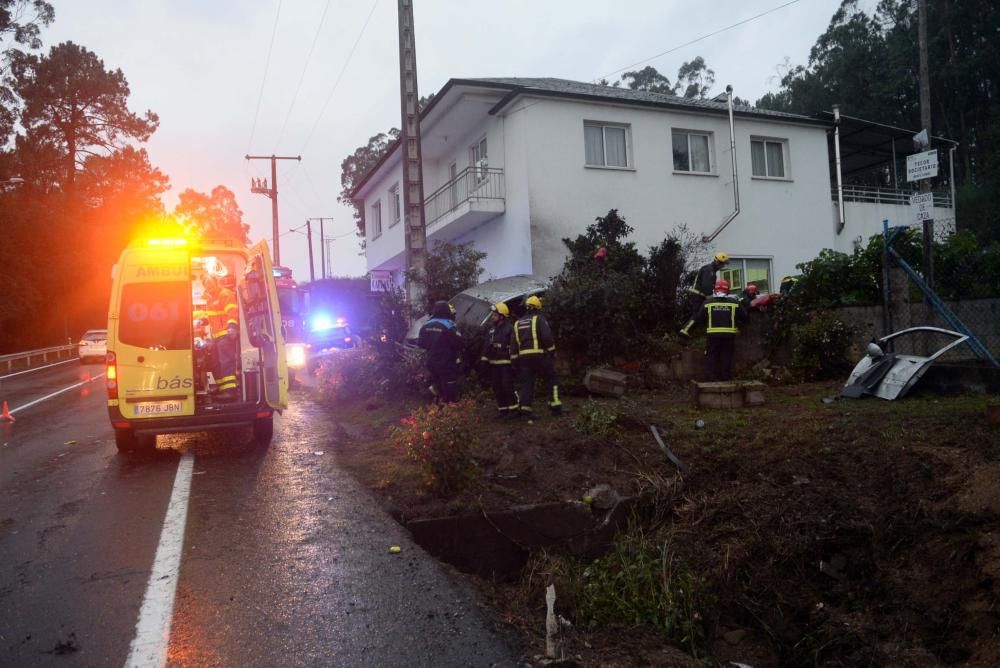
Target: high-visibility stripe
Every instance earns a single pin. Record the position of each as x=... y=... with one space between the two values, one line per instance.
x=535 y=349
x=228 y=386
x=555 y=397
x=728 y=329
x=499 y=362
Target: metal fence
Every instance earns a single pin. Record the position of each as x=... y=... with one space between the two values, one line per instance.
x=955 y=279
x=874 y=195
x=29 y=358
x=472 y=183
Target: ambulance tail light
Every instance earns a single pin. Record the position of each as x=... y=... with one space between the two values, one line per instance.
x=112 y=376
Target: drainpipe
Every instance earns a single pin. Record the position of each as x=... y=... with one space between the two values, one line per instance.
x=736 y=181
x=840 y=180
x=951 y=181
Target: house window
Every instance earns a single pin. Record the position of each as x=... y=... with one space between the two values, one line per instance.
x=394 y=207
x=691 y=152
x=606 y=145
x=741 y=271
x=480 y=160
x=767 y=157
x=377 y=219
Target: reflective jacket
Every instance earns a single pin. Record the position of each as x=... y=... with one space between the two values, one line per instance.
x=532 y=336
x=721 y=316
x=221 y=311
x=497 y=349
x=704 y=282
x=440 y=338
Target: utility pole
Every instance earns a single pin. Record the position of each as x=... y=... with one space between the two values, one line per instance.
x=260 y=187
x=322 y=244
x=415 y=232
x=925 y=120
x=309 y=239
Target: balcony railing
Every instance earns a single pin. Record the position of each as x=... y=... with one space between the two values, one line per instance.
x=470 y=185
x=874 y=195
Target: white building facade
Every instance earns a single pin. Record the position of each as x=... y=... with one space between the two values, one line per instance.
x=516 y=165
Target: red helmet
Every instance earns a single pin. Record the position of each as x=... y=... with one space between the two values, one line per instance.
x=752 y=289
x=228 y=281
x=722 y=285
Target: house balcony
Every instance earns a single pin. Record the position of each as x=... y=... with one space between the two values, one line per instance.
x=473 y=197
x=874 y=195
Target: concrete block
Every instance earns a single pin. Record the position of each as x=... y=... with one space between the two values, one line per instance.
x=718 y=395
x=605 y=382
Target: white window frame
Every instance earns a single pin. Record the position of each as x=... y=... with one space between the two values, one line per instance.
x=395 y=205
x=627 y=127
x=709 y=140
x=376 y=219
x=740 y=263
x=480 y=161
x=785 y=158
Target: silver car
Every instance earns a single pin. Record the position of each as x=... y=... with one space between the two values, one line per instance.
x=93 y=346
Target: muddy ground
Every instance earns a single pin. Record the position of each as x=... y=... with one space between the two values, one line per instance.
x=838 y=533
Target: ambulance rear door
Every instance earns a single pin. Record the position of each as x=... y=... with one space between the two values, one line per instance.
x=150 y=333
x=260 y=297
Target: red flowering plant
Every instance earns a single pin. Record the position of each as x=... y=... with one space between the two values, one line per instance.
x=440 y=438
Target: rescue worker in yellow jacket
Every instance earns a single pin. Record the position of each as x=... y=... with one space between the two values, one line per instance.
x=703 y=286
x=722 y=315
x=497 y=356
x=223 y=315
x=534 y=348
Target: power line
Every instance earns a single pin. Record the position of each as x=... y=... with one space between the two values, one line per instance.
x=698 y=39
x=340 y=75
x=302 y=76
x=267 y=65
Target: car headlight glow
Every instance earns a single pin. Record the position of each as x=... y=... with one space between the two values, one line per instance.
x=295 y=355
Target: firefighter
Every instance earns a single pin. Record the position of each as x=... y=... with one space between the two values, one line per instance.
x=750 y=293
x=497 y=355
x=601 y=258
x=224 y=320
x=440 y=338
x=722 y=315
x=702 y=288
x=788 y=283
x=534 y=349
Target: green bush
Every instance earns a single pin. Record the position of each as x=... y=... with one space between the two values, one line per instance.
x=374 y=372
x=822 y=345
x=597 y=418
x=642 y=581
x=440 y=438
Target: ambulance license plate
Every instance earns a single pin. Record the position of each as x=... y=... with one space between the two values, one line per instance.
x=158 y=407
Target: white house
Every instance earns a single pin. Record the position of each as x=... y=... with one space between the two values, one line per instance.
x=515 y=165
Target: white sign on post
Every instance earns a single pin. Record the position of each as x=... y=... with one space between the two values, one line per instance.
x=381 y=281
x=921 y=166
x=922 y=206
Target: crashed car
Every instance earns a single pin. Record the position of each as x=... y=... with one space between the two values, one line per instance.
x=472 y=306
x=890 y=375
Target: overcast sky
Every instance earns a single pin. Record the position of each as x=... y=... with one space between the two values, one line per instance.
x=202 y=65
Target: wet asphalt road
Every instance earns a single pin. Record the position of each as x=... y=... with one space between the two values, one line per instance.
x=285 y=559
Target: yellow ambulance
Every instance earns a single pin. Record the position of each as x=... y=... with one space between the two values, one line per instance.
x=163 y=357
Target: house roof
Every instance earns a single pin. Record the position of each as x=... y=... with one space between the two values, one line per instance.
x=578 y=90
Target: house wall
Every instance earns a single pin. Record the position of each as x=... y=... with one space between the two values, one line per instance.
x=788 y=220
x=864 y=219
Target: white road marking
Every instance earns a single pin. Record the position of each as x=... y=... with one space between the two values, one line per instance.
x=55 y=394
x=47 y=366
x=152 y=632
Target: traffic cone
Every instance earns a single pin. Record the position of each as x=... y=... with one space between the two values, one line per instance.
x=6 y=417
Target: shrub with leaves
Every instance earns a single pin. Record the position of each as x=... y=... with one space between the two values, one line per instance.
x=597 y=419
x=440 y=438
x=822 y=345
x=371 y=373
x=642 y=581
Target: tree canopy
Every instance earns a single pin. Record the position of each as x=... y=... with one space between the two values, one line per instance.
x=21 y=24
x=215 y=215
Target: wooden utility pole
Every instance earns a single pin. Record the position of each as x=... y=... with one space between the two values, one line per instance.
x=309 y=238
x=261 y=188
x=322 y=245
x=415 y=232
x=925 y=120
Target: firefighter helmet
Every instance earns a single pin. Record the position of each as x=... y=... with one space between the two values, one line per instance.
x=752 y=289
x=228 y=281
x=533 y=302
x=722 y=258
x=722 y=285
x=501 y=308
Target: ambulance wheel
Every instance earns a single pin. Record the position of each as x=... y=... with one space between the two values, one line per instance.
x=125 y=440
x=263 y=430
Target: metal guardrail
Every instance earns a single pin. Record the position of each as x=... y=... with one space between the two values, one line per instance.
x=874 y=195
x=24 y=360
x=472 y=183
